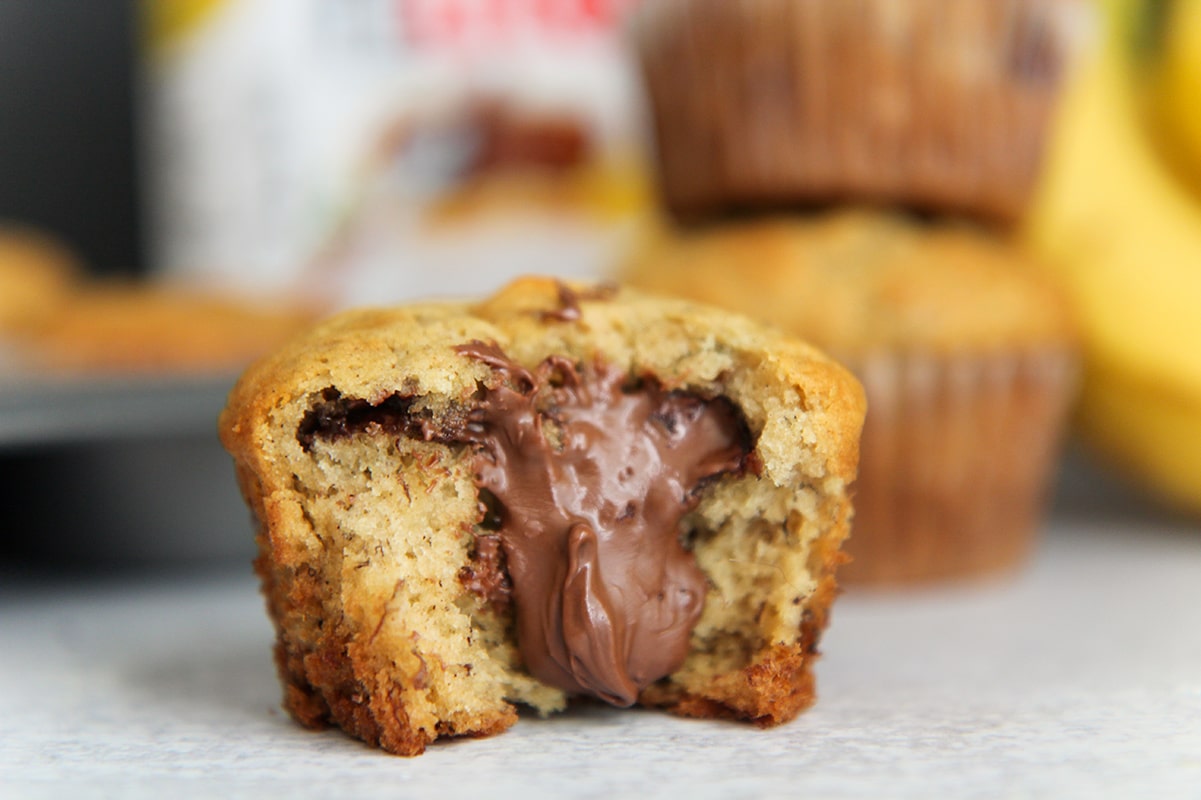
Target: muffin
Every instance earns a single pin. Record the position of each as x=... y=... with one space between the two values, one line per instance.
x=967 y=359
x=147 y=328
x=37 y=273
x=926 y=104
x=557 y=492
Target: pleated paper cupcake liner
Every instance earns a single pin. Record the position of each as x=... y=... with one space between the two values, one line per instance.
x=926 y=103
x=956 y=459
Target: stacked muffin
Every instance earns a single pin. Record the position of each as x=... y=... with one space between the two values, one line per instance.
x=799 y=140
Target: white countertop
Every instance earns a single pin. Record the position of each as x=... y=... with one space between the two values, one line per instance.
x=1079 y=677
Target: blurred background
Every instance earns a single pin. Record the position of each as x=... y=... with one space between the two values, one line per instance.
x=70 y=156
x=186 y=183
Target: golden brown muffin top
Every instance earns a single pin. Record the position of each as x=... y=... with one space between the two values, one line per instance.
x=858 y=281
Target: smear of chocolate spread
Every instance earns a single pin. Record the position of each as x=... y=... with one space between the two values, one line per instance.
x=592 y=477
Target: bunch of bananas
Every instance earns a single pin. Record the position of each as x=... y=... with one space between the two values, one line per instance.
x=1167 y=48
x=1118 y=219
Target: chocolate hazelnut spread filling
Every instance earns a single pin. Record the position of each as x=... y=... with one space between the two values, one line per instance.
x=337 y=417
x=584 y=476
x=569 y=301
x=593 y=476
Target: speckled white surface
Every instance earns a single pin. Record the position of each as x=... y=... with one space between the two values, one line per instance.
x=1079 y=678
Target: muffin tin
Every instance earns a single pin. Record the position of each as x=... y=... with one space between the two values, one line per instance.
x=118 y=470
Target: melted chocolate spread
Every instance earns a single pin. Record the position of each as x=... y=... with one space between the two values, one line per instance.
x=592 y=478
x=337 y=417
x=569 y=301
x=583 y=480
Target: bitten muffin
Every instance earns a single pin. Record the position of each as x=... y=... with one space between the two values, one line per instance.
x=556 y=492
x=924 y=103
x=967 y=358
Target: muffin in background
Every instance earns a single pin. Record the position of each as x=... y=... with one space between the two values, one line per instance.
x=55 y=319
x=146 y=328
x=967 y=358
x=37 y=273
x=924 y=103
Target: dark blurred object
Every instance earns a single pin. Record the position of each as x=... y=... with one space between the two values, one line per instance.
x=67 y=149
x=135 y=501
x=118 y=471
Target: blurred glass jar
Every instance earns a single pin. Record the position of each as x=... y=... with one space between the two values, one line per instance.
x=375 y=150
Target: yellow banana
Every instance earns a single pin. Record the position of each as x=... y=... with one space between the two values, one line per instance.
x=1151 y=431
x=1171 y=81
x=1123 y=235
